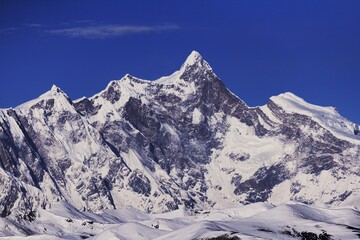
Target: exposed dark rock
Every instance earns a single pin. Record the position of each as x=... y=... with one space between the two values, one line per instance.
x=139 y=183
x=221 y=237
x=307 y=235
x=258 y=188
x=86 y=107
x=111 y=94
x=316 y=164
x=295 y=187
x=356 y=130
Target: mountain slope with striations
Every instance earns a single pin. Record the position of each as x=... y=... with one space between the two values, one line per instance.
x=181 y=140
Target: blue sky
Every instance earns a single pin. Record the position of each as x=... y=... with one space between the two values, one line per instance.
x=258 y=48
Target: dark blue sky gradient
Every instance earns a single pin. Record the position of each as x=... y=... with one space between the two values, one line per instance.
x=258 y=48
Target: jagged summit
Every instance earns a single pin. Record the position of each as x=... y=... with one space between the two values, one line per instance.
x=194 y=62
x=54 y=93
x=54 y=88
x=193 y=58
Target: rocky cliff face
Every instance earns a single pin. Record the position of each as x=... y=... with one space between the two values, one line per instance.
x=181 y=140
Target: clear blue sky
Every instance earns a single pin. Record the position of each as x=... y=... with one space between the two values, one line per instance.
x=258 y=48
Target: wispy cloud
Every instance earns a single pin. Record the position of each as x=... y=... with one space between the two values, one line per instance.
x=109 y=31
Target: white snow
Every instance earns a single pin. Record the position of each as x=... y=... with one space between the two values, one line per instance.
x=254 y=221
x=197 y=116
x=327 y=117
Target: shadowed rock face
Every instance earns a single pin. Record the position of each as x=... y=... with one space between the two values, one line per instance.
x=258 y=188
x=139 y=183
x=157 y=142
x=356 y=130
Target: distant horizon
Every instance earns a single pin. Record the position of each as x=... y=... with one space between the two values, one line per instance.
x=258 y=49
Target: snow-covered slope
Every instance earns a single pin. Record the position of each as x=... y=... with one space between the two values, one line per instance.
x=182 y=141
x=254 y=221
x=326 y=117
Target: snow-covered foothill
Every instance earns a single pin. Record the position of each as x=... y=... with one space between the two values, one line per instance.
x=255 y=221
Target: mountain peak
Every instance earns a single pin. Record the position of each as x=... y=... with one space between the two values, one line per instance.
x=194 y=62
x=55 y=92
x=193 y=58
x=290 y=96
x=55 y=89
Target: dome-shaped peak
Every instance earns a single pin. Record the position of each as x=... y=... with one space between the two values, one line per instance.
x=292 y=96
x=292 y=103
x=287 y=97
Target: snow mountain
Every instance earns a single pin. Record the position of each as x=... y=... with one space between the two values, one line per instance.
x=182 y=141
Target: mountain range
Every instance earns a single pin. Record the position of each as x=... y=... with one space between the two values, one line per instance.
x=183 y=141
